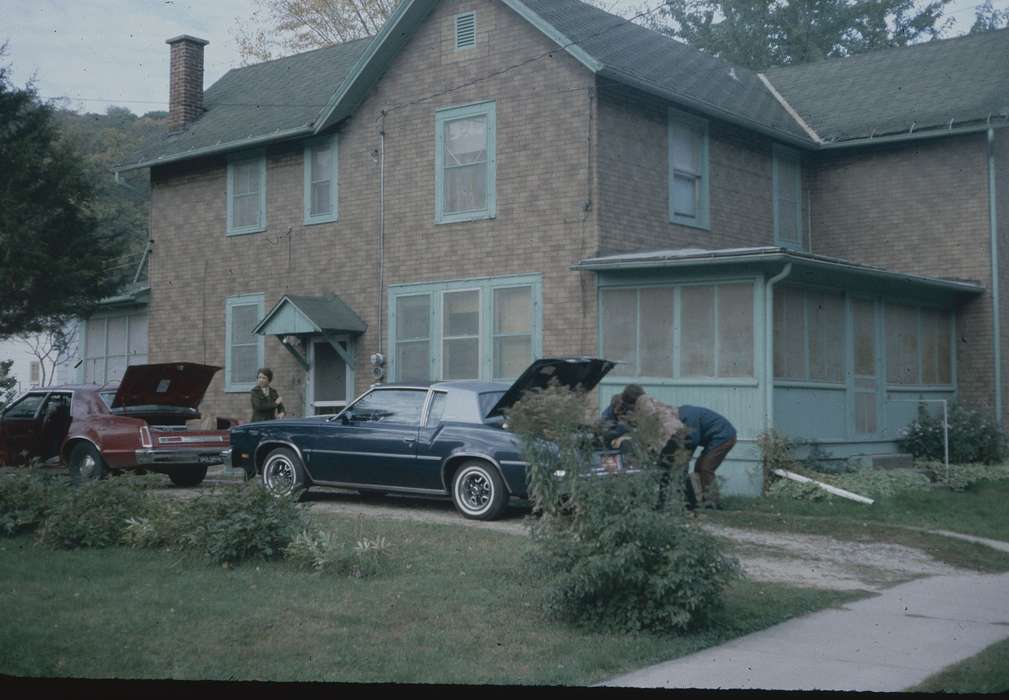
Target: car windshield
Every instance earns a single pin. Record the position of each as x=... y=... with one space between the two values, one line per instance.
x=488 y=400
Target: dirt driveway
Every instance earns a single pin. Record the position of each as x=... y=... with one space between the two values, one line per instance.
x=805 y=560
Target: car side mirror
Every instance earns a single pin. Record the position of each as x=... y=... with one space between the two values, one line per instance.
x=345 y=418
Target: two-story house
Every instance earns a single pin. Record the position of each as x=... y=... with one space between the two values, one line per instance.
x=489 y=181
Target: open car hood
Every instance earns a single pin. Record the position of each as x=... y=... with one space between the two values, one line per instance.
x=170 y=384
x=572 y=372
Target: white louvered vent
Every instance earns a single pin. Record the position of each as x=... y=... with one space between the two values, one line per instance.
x=465 y=31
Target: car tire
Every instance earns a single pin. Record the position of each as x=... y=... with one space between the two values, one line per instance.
x=86 y=463
x=283 y=473
x=478 y=491
x=188 y=477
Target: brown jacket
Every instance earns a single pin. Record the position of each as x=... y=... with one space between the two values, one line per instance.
x=669 y=417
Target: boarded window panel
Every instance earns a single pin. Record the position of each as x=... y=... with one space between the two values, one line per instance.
x=864 y=323
x=735 y=330
x=944 y=350
x=929 y=347
x=794 y=340
x=901 y=344
x=138 y=335
x=656 y=332
x=697 y=340
x=117 y=335
x=685 y=195
x=825 y=314
x=865 y=413
x=620 y=329
x=780 y=331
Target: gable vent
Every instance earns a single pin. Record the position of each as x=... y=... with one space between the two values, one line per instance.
x=465 y=31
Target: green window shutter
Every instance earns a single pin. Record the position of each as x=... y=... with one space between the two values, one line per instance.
x=787 y=187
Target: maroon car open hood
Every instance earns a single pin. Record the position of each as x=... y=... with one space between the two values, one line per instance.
x=573 y=372
x=175 y=384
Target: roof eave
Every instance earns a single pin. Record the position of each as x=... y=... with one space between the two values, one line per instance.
x=580 y=54
x=219 y=148
x=912 y=136
x=773 y=255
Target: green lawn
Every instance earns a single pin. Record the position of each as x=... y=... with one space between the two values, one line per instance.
x=987 y=672
x=980 y=510
x=453 y=608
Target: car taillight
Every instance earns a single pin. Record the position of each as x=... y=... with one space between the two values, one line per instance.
x=145 y=437
x=612 y=463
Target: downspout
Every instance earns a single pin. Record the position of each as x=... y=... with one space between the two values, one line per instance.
x=381 y=230
x=996 y=309
x=769 y=345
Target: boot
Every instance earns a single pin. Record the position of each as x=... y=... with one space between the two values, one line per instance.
x=711 y=500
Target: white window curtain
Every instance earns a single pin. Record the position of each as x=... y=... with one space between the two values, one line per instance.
x=465 y=163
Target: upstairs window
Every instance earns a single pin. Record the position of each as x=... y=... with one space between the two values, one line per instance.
x=321 y=188
x=465 y=31
x=688 y=170
x=247 y=193
x=787 y=198
x=465 y=163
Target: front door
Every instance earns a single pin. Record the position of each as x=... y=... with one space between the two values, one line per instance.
x=328 y=381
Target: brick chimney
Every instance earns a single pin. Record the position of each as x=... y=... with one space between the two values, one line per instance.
x=185 y=92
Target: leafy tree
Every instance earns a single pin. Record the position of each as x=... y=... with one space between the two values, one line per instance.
x=8 y=383
x=988 y=19
x=54 y=263
x=763 y=33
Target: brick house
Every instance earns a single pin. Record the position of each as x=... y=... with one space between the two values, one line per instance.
x=487 y=181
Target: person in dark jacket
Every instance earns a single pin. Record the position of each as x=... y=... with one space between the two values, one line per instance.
x=266 y=403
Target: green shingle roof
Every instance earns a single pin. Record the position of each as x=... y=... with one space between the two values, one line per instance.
x=265 y=100
x=635 y=55
x=887 y=91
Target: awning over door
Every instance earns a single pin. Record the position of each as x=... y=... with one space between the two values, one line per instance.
x=304 y=316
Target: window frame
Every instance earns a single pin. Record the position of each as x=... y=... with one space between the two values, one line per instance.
x=676 y=376
x=443 y=117
x=674 y=118
x=86 y=330
x=258 y=299
x=486 y=285
x=780 y=154
x=885 y=304
x=333 y=142
x=234 y=160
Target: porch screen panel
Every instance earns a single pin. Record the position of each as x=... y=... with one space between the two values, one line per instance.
x=789 y=333
x=864 y=323
x=137 y=339
x=935 y=347
x=865 y=412
x=698 y=336
x=620 y=329
x=117 y=349
x=825 y=315
x=656 y=335
x=735 y=330
x=461 y=335
x=244 y=345
x=94 y=351
x=513 y=340
x=413 y=338
x=901 y=344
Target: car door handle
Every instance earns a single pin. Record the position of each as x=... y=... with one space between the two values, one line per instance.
x=409 y=441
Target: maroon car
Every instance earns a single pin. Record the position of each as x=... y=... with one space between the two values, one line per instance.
x=138 y=425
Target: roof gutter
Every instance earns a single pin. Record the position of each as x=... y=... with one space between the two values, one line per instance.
x=217 y=148
x=996 y=308
x=911 y=136
x=775 y=255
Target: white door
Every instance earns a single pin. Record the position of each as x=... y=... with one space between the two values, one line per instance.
x=330 y=380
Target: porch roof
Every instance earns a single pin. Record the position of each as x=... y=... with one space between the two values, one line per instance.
x=295 y=315
x=806 y=267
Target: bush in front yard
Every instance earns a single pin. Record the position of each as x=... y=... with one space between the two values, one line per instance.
x=24 y=500
x=605 y=552
x=974 y=436
x=93 y=514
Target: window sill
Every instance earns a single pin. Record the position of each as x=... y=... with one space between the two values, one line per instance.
x=468 y=216
x=692 y=223
x=330 y=219
x=244 y=231
x=800 y=384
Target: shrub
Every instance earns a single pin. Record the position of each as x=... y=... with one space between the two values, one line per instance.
x=963 y=476
x=869 y=482
x=974 y=436
x=248 y=522
x=606 y=553
x=93 y=514
x=25 y=497
x=776 y=451
x=324 y=553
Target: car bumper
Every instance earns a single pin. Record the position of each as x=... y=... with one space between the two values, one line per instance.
x=190 y=455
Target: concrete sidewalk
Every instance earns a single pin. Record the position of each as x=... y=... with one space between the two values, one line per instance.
x=886 y=643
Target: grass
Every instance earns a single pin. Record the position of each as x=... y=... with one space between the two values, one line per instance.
x=987 y=672
x=900 y=519
x=452 y=609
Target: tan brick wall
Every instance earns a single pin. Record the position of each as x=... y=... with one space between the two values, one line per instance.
x=921 y=208
x=541 y=224
x=1001 y=153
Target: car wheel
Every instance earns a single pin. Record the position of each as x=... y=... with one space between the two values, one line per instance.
x=283 y=473
x=188 y=476
x=478 y=492
x=86 y=463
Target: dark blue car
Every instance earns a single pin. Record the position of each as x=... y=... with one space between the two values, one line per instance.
x=446 y=439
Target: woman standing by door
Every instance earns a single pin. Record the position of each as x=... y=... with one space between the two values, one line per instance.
x=266 y=403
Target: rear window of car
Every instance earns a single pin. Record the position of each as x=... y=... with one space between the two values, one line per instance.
x=488 y=400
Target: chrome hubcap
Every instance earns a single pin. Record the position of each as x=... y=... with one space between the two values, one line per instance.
x=88 y=467
x=279 y=476
x=475 y=490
